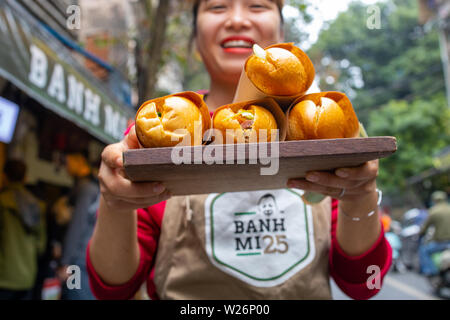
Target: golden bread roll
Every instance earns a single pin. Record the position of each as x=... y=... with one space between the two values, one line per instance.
x=245 y=123
x=280 y=70
x=165 y=122
x=326 y=115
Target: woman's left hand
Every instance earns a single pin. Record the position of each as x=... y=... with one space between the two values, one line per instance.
x=344 y=184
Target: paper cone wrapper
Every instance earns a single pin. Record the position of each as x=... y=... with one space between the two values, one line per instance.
x=351 y=120
x=268 y=103
x=246 y=90
x=198 y=101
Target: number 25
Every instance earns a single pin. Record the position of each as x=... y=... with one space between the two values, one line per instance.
x=279 y=242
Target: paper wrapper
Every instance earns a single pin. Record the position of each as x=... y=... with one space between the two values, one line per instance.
x=198 y=101
x=268 y=103
x=246 y=90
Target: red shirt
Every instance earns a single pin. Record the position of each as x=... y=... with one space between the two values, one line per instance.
x=349 y=272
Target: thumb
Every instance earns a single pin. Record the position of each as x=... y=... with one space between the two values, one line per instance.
x=131 y=141
x=112 y=155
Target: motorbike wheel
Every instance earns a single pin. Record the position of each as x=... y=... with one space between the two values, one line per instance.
x=446 y=278
x=443 y=290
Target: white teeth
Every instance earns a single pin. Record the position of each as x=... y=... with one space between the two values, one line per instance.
x=237 y=44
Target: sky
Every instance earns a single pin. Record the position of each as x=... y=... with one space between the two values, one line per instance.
x=324 y=10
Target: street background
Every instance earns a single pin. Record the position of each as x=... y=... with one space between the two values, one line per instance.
x=390 y=57
x=404 y=286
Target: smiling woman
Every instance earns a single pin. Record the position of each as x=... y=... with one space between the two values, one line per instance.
x=225 y=32
x=261 y=244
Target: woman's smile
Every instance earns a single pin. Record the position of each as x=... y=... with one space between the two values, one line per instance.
x=226 y=32
x=238 y=45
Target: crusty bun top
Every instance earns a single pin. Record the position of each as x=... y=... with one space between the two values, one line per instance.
x=326 y=115
x=165 y=122
x=245 y=123
x=283 y=70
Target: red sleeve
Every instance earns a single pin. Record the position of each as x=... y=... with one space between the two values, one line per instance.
x=351 y=272
x=148 y=231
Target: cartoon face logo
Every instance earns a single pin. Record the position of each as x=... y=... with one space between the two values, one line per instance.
x=267 y=204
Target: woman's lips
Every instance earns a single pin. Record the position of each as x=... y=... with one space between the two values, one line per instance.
x=238 y=50
x=237 y=45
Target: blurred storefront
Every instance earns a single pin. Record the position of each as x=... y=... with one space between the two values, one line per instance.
x=52 y=103
x=56 y=98
x=62 y=106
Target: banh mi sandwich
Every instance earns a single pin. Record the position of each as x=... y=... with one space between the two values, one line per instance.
x=326 y=115
x=170 y=120
x=251 y=121
x=280 y=70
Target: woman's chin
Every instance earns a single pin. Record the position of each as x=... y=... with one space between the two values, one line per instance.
x=232 y=66
x=232 y=75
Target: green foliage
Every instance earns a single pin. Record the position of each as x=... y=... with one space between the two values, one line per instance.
x=394 y=78
x=180 y=51
x=397 y=61
x=421 y=127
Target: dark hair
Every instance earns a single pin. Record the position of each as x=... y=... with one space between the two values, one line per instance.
x=15 y=170
x=279 y=3
x=267 y=195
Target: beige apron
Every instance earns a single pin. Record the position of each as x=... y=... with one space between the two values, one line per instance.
x=244 y=245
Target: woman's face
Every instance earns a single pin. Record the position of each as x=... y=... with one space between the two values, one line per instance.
x=227 y=30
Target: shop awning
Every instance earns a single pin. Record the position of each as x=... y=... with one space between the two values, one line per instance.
x=40 y=65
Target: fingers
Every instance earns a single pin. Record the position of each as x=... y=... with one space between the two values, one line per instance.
x=143 y=200
x=120 y=203
x=333 y=191
x=112 y=155
x=309 y=186
x=331 y=180
x=355 y=181
x=131 y=141
x=367 y=171
x=115 y=184
x=348 y=178
x=119 y=192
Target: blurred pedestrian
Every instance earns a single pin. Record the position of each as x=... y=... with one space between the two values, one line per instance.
x=83 y=198
x=22 y=234
x=439 y=219
x=386 y=220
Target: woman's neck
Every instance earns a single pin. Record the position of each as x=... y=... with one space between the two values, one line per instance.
x=220 y=93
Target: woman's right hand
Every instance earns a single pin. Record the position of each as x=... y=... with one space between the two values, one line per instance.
x=119 y=193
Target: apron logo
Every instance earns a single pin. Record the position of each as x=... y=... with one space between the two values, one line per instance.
x=260 y=237
x=248 y=234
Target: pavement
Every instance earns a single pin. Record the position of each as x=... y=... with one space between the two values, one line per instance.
x=397 y=286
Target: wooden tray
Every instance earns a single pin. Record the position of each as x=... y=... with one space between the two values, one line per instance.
x=244 y=173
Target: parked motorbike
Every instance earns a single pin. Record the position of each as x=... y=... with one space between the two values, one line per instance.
x=441 y=282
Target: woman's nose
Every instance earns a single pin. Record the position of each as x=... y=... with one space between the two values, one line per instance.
x=237 y=19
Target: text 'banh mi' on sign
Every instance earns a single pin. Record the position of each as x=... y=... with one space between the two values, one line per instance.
x=69 y=91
